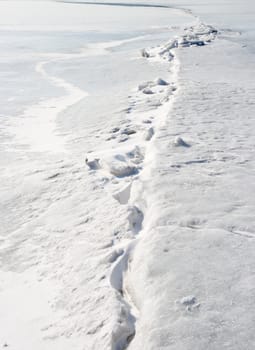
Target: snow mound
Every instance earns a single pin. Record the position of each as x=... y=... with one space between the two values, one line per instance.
x=144 y=53
x=165 y=51
x=198 y=35
x=121 y=168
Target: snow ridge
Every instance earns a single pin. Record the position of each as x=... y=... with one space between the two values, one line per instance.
x=130 y=167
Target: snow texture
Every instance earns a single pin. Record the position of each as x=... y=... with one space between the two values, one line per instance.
x=150 y=243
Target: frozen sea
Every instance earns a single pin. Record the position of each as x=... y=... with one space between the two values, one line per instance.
x=127 y=175
x=67 y=73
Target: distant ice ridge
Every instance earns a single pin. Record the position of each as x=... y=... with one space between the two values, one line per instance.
x=129 y=165
x=197 y=35
x=111 y=3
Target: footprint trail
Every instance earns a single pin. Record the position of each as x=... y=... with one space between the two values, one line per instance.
x=129 y=163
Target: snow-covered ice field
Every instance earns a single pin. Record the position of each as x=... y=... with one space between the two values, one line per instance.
x=127 y=175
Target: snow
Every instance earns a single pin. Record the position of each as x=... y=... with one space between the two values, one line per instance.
x=127 y=190
x=196 y=288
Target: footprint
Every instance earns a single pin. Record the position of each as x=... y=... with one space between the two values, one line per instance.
x=112 y=137
x=189 y=303
x=148 y=134
x=123 y=195
x=147 y=91
x=115 y=254
x=136 y=155
x=114 y=130
x=135 y=218
x=123 y=138
x=93 y=164
x=179 y=142
x=147 y=121
x=193 y=223
x=122 y=168
x=128 y=131
x=161 y=82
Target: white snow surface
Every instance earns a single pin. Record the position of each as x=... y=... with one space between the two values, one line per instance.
x=128 y=194
x=191 y=275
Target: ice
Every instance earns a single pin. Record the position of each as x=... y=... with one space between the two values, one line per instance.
x=67 y=213
x=149 y=243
